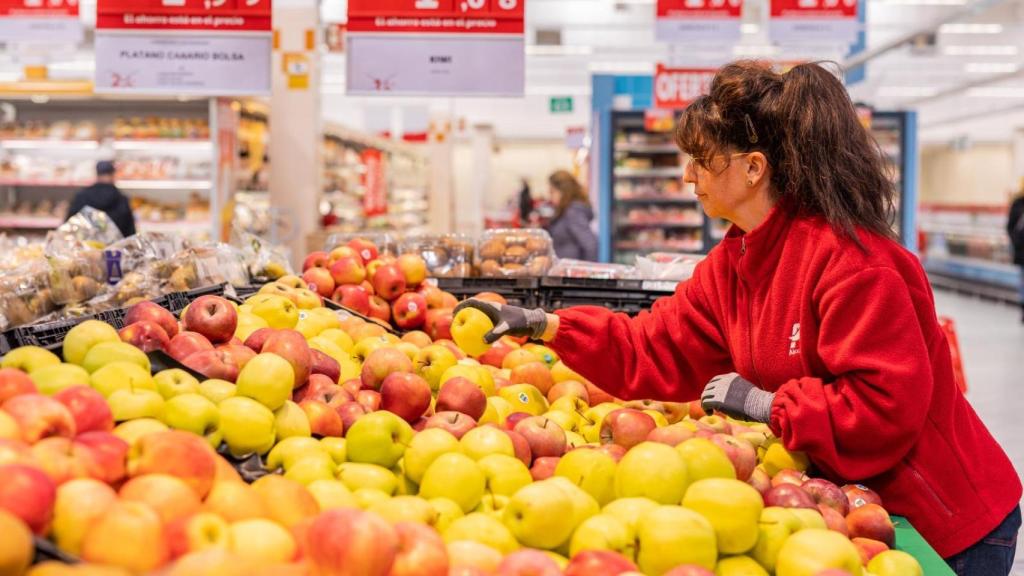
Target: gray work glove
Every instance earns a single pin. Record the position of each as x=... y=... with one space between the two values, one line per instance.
x=737 y=397
x=509 y=320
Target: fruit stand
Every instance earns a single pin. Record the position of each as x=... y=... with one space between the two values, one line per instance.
x=273 y=430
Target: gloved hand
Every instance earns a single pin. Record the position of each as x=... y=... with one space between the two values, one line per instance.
x=737 y=397
x=509 y=320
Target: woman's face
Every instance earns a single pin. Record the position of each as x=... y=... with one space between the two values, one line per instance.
x=555 y=195
x=720 y=183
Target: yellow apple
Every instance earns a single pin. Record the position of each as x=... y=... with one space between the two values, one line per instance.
x=340 y=338
x=652 y=470
x=262 y=540
x=454 y=476
x=704 y=459
x=53 y=378
x=895 y=563
x=475 y=374
x=81 y=338
x=525 y=398
x=278 y=311
x=108 y=352
x=431 y=363
x=468 y=329
x=80 y=502
x=496 y=412
x=809 y=552
x=484 y=529
x=732 y=507
x=247 y=324
x=672 y=535
x=332 y=494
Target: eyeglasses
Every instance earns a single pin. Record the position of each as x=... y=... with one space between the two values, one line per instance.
x=705 y=163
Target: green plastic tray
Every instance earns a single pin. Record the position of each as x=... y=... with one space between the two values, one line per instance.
x=910 y=541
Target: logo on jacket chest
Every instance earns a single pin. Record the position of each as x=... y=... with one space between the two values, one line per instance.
x=794 y=340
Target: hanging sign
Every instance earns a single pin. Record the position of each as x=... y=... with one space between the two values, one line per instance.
x=814 y=22
x=676 y=88
x=436 y=47
x=698 y=21
x=183 y=47
x=375 y=200
x=40 y=21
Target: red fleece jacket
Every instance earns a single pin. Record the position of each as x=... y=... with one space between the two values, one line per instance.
x=848 y=340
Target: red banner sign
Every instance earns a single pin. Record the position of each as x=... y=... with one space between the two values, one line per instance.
x=700 y=8
x=207 y=15
x=698 y=21
x=38 y=8
x=375 y=200
x=830 y=9
x=814 y=22
x=437 y=16
x=676 y=88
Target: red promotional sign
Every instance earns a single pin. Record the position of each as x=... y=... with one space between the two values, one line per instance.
x=375 y=201
x=830 y=9
x=208 y=15
x=676 y=88
x=700 y=8
x=814 y=22
x=40 y=21
x=692 y=21
x=38 y=8
x=437 y=16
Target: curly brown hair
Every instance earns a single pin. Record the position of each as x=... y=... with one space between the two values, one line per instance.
x=570 y=188
x=824 y=162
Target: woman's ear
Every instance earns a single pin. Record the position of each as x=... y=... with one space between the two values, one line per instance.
x=757 y=168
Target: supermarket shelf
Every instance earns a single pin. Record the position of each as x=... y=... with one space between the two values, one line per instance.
x=963 y=230
x=649 y=173
x=45 y=184
x=628 y=224
x=648 y=148
x=29 y=222
x=971 y=275
x=164 y=184
x=164 y=145
x=657 y=200
x=48 y=144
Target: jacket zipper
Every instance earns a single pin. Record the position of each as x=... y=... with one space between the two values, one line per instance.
x=750 y=316
x=931 y=491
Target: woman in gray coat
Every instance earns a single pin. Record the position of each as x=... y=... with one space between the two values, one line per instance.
x=570 y=228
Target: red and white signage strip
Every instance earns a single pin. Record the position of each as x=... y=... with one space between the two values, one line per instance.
x=814 y=22
x=40 y=21
x=676 y=88
x=698 y=21
x=184 y=47
x=436 y=47
x=375 y=200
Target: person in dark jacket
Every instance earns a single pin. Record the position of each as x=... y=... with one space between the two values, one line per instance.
x=525 y=203
x=570 y=228
x=105 y=196
x=1015 y=228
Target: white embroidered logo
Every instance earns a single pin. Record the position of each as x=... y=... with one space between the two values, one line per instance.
x=794 y=340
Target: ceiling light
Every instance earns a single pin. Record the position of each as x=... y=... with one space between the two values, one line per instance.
x=907 y=91
x=756 y=50
x=964 y=28
x=634 y=2
x=542 y=50
x=997 y=92
x=990 y=68
x=968 y=50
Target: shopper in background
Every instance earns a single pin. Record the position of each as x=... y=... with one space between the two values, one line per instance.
x=1015 y=228
x=809 y=316
x=570 y=228
x=105 y=196
x=525 y=203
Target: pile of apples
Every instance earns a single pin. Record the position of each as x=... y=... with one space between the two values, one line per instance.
x=393 y=456
x=380 y=286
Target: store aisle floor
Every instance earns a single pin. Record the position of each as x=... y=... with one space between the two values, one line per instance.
x=992 y=343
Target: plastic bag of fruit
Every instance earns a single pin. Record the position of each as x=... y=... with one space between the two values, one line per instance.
x=263 y=259
x=568 y=268
x=91 y=226
x=514 y=252
x=25 y=295
x=446 y=255
x=218 y=264
x=387 y=243
x=667 y=266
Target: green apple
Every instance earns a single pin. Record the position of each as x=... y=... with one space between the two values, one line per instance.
x=783 y=516
x=454 y=476
x=268 y=379
x=217 y=390
x=356 y=475
x=366 y=497
x=704 y=459
x=405 y=509
x=591 y=470
x=291 y=450
x=290 y=420
x=335 y=448
x=331 y=494
x=672 y=535
x=484 y=529
x=540 y=515
x=593 y=418
x=505 y=474
x=135 y=404
x=431 y=362
x=81 y=338
x=311 y=468
x=447 y=512
x=770 y=538
x=53 y=378
x=584 y=506
x=525 y=398
x=895 y=562
x=247 y=425
x=629 y=510
x=107 y=352
x=424 y=448
x=121 y=376
x=493 y=505
x=468 y=329
x=732 y=507
x=473 y=372
x=654 y=471
x=603 y=532
x=28 y=359
x=496 y=412
x=196 y=414
x=406 y=487
x=486 y=440
x=378 y=438
x=175 y=381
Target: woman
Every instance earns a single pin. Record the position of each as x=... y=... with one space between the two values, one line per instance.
x=570 y=228
x=808 y=316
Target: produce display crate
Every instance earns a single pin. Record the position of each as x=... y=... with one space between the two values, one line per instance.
x=909 y=540
x=628 y=296
x=518 y=291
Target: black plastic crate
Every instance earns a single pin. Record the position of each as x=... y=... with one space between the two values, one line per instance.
x=518 y=291
x=628 y=296
x=49 y=335
x=177 y=301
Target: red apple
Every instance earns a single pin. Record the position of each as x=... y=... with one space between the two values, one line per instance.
x=346 y=541
x=789 y=496
x=381 y=363
x=186 y=344
x=406 y=395
x=291 y=345
x=110 y=454
x=459 y=394
x=349 y=412
x=597 y=396
x=536 y=374
x=760 y=480
x=568 y=388
x=322 y=388
x=626 y=427
x=324 y=365
x=14 y=382
x=409 y=311
x=871 y=521
x=318 y=259
x=353 y=297
x=858 y=495
x=88 y=408
x=323 y=420
x=15 y=452
x=432 y=294
x=674 y=435
x=457 y=423
x=827 y=494
x=692 y=570
x=320 y=281
x=515 y=418
x=241 y=353
x=365 y=285
x=833 y=520
x=347 y=270
x=787 y=476
x=599 y=563
x=343 y=252
x=544 y=467
x=40 y=417
x=367 y=250
x=417 y=338
x=379 y=309
x=545 y=437
x=257 y=339
x=438 y=324
x=491 y=297
x=145 y=335
x=868 y=548
x=414 y=268
x=369 y=399
x=421 y=551
x=522 y=447
x=352 y=386
x=389 y=282
x=175 y=453
x=613 y=450
x=495 y=354
x=29 y=494
x=741 y=453
x=213 y=317
x=528 y=562
x=152 y=312
x=214 y=364
x=448 y=300
x=63 y=460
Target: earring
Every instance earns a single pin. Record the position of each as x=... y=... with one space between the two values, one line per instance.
x=750 y=182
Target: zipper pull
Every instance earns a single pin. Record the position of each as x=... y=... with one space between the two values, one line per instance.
x=743 y=245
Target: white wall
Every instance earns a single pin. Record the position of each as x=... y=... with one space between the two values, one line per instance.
x=980 y=175
x=511 y=161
